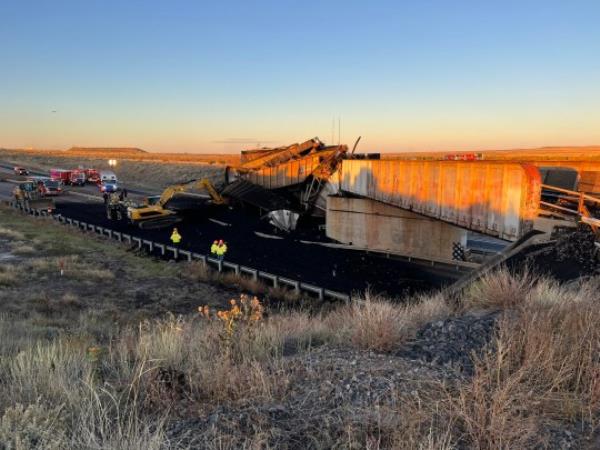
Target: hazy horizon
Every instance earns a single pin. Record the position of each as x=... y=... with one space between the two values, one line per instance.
x=204 y=77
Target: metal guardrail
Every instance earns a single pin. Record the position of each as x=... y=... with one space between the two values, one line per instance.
x=256 y=274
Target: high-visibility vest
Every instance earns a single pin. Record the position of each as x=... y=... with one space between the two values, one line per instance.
x=175 y=237
x=224 y=249
x=214 y=248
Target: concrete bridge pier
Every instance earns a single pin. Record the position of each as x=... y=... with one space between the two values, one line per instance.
x=366 y=223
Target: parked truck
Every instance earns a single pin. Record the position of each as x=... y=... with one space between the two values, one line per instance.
x=61 y=175
x=92 y=176
x=108 y=181
x=77 y=177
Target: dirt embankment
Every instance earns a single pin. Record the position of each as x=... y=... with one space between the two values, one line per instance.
x=52 y=277
x=512 y=364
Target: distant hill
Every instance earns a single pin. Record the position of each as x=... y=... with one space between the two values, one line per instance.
x=110 y=150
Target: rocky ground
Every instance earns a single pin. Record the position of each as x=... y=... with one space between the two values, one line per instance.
x=335 y=390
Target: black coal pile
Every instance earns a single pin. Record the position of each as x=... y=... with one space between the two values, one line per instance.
x=572 y=255
x=453 y=342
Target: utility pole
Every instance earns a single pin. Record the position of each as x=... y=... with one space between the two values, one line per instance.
x=332 y=130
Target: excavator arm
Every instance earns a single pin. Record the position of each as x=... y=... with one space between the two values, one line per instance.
x=203 y=183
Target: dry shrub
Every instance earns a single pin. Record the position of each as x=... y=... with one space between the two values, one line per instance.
x=377 y=324
x=197 y=271
x=13 y=235
x=181 y=358
x=33 y=427
x=542 y=369
x=20 y=248
x=8 y=275
x=90 y=274
x=242 y=282
x=499 y=290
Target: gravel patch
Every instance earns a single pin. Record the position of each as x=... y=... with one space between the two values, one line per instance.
x=453 y=342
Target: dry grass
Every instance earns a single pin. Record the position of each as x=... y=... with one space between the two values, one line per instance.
x=198 y=271
x=373 y=323
x=64 y=387
x=8 y=233
x=8 y=275
x=542 y=369
x=500 y=289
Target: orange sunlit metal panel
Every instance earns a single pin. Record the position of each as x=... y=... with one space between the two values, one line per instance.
x=496 y=198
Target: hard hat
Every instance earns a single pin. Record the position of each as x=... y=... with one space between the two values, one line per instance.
x=175 y=229
x=220 y=241
x=216 y=242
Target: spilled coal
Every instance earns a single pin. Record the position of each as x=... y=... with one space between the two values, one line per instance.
x=253 y=244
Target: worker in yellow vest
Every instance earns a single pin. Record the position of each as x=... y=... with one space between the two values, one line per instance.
x=213 y=248
x=175 y=237
x=221 y=250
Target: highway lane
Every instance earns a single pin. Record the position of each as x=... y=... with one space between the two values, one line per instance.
x=7 y=171
x=336 y=269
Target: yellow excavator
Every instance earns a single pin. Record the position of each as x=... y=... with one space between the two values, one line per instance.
x=153 y=213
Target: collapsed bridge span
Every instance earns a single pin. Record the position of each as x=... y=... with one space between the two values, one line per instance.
x=495 y=198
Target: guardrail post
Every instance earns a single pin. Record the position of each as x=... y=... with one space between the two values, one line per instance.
x=108 y=232
x=118 y=235
x=199 y=257
x=188 y=255
x=161 y=247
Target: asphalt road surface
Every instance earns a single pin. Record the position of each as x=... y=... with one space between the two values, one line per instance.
x=336 y=269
